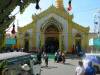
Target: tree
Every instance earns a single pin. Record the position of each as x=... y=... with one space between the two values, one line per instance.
x=6 y=7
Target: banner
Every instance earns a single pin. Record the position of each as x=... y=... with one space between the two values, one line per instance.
x=10 y=41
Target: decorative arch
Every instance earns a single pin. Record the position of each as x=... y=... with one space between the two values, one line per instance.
x=26 y=35
x=52 y=18
x=58 y=21
x=78 y=38
x=78 y=35
x=50 y=22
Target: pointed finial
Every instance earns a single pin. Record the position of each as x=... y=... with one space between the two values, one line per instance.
x=59 y=4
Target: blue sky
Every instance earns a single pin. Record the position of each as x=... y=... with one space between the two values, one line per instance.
x=83 y=11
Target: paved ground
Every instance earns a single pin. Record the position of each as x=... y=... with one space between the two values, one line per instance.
x=60 y=69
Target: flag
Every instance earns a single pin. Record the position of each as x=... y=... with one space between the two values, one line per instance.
x=69 y=5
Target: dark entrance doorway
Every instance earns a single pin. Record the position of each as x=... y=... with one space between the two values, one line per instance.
x=51 y=44
x=26 y=45
x=78 y=43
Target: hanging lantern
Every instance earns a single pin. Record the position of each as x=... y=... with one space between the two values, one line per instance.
x=69 y=7
x=13 y=30
x=37 y=4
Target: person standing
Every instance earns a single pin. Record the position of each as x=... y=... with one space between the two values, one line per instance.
x=39 y=57
x=90 y=69
x=80 y=69
x=59 y=57
x=56 y=54
x=63 y=57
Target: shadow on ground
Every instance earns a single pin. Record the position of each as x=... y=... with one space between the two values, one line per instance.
x=69 y=64
x=49 y=67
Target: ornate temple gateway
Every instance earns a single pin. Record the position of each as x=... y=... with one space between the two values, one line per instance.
x=53 y=29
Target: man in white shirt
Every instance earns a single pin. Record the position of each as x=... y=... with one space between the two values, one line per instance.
x=80 y=69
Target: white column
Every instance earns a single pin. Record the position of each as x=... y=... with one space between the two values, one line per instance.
x=21 y=39
x=60 y=41
x=38 y=39
x=30 y=39
x=66 y=41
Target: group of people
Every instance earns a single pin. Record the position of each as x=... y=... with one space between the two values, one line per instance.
x=43 y=55
x=59 y=57
x=89 y=70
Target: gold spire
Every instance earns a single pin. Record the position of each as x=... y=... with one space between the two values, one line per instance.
x=59 y=4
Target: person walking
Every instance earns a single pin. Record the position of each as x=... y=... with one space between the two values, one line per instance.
x=46 y=59
x=90 y=69
x=80 y=69
x=43 y=55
